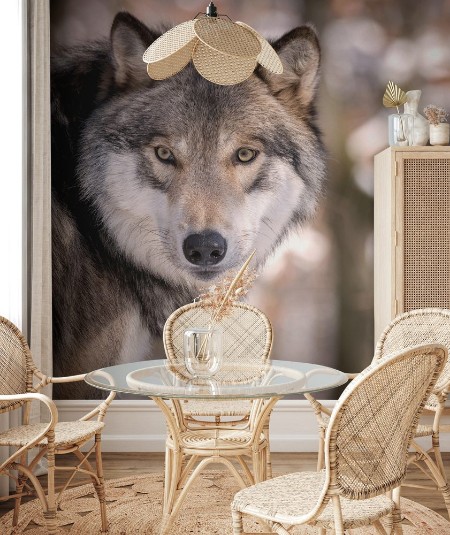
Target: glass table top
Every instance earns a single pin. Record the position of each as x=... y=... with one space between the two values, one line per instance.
x=158 y=378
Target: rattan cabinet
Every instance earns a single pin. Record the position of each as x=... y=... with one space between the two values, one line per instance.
x=412 y=231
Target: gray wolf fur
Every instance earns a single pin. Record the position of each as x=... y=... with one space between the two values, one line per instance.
x=140 y=165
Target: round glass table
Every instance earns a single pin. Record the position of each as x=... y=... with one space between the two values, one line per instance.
x=159 y=378
x=192 y=446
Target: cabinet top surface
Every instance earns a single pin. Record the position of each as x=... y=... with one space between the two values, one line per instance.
x=431 y=148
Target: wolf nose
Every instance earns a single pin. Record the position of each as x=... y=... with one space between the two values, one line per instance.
x=205 y=249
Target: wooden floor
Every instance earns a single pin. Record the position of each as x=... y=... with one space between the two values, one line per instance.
x=118 y=465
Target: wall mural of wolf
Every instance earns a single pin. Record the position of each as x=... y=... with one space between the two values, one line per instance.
x=161 y=187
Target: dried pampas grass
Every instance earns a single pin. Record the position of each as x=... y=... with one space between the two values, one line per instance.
x=221 y=296
x=435 y=115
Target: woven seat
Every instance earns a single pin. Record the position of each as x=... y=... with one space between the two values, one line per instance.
x=20 y=383
x=422 y=326
x=216 y=439
x=367 y=441
x=217 y=408
x=424 y=430
x=66 y=434
x=285 y=498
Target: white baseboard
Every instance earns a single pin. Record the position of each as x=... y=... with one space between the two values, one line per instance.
x=138 y=425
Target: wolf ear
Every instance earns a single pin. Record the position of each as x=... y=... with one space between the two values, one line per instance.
x=299 y=52
x=129 y=40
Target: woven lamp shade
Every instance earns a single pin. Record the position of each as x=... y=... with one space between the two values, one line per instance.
x=223 y=52
x=268 y=58
x=171 y=52
x=227 y=37
x=211 y=65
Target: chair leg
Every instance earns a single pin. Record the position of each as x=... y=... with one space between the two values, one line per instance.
x=443 y=485
x=167 y=476
x=445 y=491
x=268 y=458
x=100 y=486
x=337 y=514
x=238 y=528
x=50 y=513
x=321 y=452
x=21 y=480
x=259 y=460
x=439 y=478
x=437 y=454
x=396 y=515
x=175 y=473
x=96 y=477
x=379 y=528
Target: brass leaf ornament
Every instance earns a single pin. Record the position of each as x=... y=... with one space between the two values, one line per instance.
x=224 y=52
x=393 y=96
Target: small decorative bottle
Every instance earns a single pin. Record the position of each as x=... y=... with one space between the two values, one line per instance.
x=420 y=129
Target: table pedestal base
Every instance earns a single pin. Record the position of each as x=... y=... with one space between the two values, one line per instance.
x=190 y=451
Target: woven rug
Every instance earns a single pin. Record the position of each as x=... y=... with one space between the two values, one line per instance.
x=135 y=508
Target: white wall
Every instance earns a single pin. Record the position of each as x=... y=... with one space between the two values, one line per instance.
x=13 y=174
x=138 y=425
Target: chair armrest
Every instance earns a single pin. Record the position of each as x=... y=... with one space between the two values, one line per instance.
x=317 y=406
x=67 y=379
x=100 y=410
x=30 y=396
x=39 y=397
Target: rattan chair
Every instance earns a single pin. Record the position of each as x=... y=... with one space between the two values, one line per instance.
x=232 y=432
x=247 y=334
x=423 y=326
x=20 y=382
x=366 y=448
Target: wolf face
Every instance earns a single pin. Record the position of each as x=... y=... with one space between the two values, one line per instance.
x=159 y=186
x=188 y=177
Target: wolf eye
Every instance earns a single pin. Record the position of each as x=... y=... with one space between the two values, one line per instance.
x=246 y=155
x=164 y=154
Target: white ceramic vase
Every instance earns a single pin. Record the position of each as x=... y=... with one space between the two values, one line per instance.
x=439 y=134
x=420 y=129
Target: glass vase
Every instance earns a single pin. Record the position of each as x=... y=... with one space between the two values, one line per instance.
x=202 y=351
x=401 y=129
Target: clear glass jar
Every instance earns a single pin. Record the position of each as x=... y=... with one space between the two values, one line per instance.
x=203 y=351
x=401 y=130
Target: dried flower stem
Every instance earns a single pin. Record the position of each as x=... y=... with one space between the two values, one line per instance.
x=233 y=285
x=435 y=115
x=402 y=135
x=202 y=351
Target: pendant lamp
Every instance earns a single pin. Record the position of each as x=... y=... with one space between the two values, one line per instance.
x=224 y=52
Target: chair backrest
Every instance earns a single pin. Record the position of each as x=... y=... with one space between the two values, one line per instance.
x=16 y=364
x=375 y=418
x=247 y=338
x=418 y=327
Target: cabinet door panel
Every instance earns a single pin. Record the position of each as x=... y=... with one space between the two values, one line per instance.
x=423 y=226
